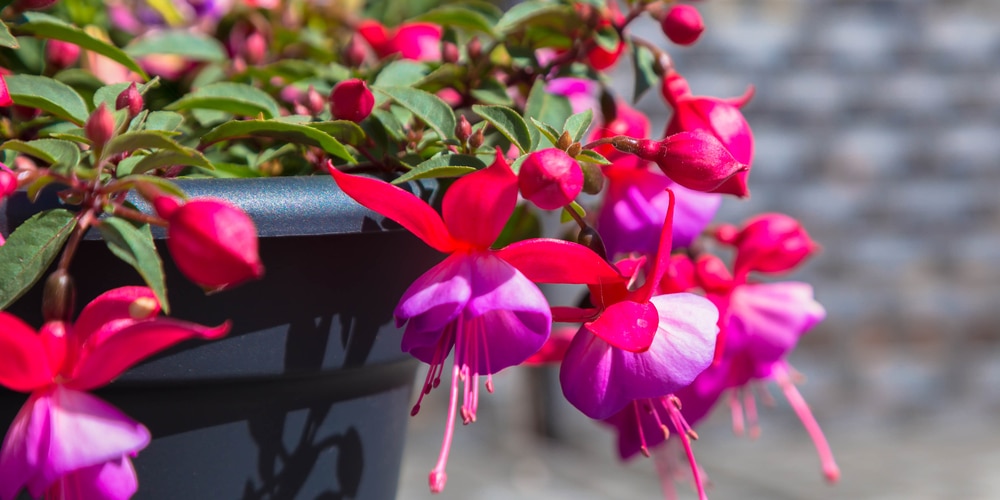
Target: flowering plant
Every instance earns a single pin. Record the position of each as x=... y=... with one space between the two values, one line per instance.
x=511 y=110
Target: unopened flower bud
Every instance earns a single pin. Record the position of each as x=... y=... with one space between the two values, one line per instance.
x=130 y=99
x=682 y=24
x=550 y=178
x=590 y=238
x=8 y=181
x=772 y=243
x=695 y=160
x=474 y=49
x=354 y=52
x=564 y=141
x=212 y=242
x=478 y=138
x=449 y=52
x=593 y=178
x=351 y=100
x=58 y=297
x=463 y=131
x=574 y=149
x=100 y=127
x=60 y=54
x=313 y=101
x=255 y=48
x=712 y=274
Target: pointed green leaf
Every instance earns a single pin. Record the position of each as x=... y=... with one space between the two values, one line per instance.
x=61 y=154
x=645 y=76
x=449 y=165
x=577 y=124
x=166 y=158
x=235 y=98
x=30 y=250
x=6 y=39
x=143 y=139
x=546 y=130
x=426 y=106
x=508 y=122
x=48 y=95
x=566 y=216
x=283 y=131
x=134 y=245
x=187 y=44
x=46 y=26
x=525 y=13
x=345 y=131
x=548 y=108
x=168 y=121
x=491 y=91
x=593 y=157
x=458 y=16
x=401 y=73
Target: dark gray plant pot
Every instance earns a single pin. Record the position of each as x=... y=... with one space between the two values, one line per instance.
x=308 y=396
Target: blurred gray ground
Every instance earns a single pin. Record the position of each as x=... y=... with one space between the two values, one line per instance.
x=878 y=125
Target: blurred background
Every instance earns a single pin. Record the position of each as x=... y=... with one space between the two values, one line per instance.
x=877 y=124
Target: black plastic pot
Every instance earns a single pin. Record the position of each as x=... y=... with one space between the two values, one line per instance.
x=308 y=396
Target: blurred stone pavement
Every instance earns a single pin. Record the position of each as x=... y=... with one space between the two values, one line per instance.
x=877 y=123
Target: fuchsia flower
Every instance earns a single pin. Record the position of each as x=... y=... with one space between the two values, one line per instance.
x=694 y=159
x=417 y=41
x=474 y=302
x=770 y=243
x=550 y=178
x=65 y=443
x=720 y=117
x=636 y=200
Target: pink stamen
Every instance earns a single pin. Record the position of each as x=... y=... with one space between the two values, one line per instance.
x=737 y=411
x=763 y=393
x=638 y=425
x=438 y=477
x=750 y=406
x=798 y=403
x=672 y=404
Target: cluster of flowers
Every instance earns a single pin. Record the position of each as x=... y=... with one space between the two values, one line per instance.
x=666 y=330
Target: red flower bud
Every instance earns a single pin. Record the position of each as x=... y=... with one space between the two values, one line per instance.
x=695 y=160
x=212 y=242
x=449 y=52
x=772 y=243
x=682 y=24
x=351 y=100
x=712 y=274
x=60 y=54
x=601 y=59
x=550 y=178
x=313 y=101
x=255 y=48
x=130 y=99
x=8 y=181
x=354 y=52
x=100 y=127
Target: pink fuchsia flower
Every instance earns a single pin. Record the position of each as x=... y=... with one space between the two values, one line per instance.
x=65 y=443
x=212 y=242
x=474 y=302
x=417 y=41
x=581 y=92
x=60 y=54
x=682 y=24
x=720 y=117
x=351 y=100
x=695 y=160
x=770 y=243
x=550 y=178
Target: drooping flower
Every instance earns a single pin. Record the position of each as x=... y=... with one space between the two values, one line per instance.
x=417 y=41
x=65 y=443
x=770 y=243
x=694 y=159
x=473 y=303
x=720 y=117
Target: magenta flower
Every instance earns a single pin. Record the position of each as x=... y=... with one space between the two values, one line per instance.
x=474 y=302
x=65 y=443
x=581 y=92
x=770 y=243
x=417 y=41
x=720 y=117
x=5 y=99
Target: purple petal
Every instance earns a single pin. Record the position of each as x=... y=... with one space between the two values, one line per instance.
x=693 y=210
x=600 y=380
x=59 y=431
x=433 y=301
x=112 y=480
x=579 y=91
x=768 y=319
x=506 y=310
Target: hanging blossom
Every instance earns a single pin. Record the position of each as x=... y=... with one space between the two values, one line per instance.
x=638 y=346
x=632 y=213
x=417 y=41
x=474 y=302
x=65 y=443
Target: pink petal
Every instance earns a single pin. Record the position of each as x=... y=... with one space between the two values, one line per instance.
x=433 y=301
x=771 y=318
x=554 y=349
x=544 y=260
x=477 y=206
x=111 y=480
x=626 y=325
x=697 y=160
x=111 y=306
x=5 y=99
x=418 y=41
x=100 y=362
x=662 y=257
x=513 y=315
x=23 y=358
x=406 y=209
x=60 y=431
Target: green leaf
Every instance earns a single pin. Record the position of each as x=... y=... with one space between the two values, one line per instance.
x=508 y=122
x=593 y=157
x=401 y=73
x=30 y=250
x=525 y=13
x=46 y=26
x=491 y=91
x=548 y=108
x=574 y=206
x=235 y=98
x=7 y=39
x=168 y=121
x=345 y=131
x=143 y=139
x=61 y=154
x=48 y=95
x=135 y=246
x=577 y=124
x=448 y=165
x=282 y=131
x=390 y=124
x=607 y=38
x=189 y=45
x=167 y=158
x=457 y=16
x=426 y=106
x=645 y=76
x=546 y=130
